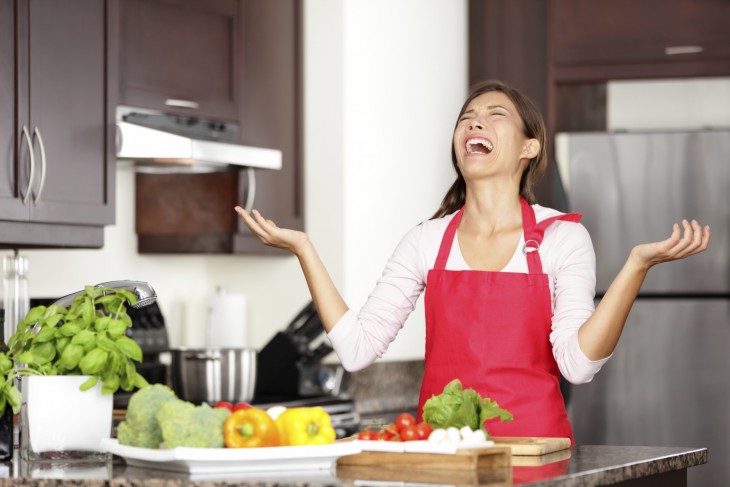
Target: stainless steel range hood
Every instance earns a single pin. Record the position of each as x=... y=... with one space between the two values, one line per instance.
x=159 y=142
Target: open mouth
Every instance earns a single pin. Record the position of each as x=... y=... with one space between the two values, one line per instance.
x=478 y=145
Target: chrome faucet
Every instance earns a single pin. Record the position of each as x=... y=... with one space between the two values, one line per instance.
x=143 y=292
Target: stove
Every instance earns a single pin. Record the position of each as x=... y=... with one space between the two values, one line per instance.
x=345 y=418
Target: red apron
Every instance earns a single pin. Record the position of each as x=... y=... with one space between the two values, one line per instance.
x=491 y=330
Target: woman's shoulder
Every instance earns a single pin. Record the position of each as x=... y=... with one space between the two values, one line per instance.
x=543 y=212
x=563 y=231
x=428 y=232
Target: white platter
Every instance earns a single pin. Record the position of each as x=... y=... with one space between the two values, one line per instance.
x=221 y=461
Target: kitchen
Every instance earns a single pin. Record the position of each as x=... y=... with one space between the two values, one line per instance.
x=348 y=104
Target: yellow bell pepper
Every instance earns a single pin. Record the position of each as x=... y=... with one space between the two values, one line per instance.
x=305 y=426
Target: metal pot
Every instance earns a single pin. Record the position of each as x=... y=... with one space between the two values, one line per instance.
x=214 y=374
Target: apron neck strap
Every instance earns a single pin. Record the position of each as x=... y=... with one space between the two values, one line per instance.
x=448 y=240
x=534 y=232
x=533 y=239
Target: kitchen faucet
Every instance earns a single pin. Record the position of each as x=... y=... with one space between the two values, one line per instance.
x=142 y=290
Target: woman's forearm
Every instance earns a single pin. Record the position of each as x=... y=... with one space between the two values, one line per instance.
x=600 y=333
x=326 y=297
x=330 y=305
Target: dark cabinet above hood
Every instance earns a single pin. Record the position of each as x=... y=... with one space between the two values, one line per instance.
x=165 y=142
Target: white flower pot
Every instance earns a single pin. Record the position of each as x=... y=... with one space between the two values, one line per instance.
x=60 y=421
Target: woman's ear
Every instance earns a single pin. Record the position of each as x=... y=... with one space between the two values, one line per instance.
x=531 y=148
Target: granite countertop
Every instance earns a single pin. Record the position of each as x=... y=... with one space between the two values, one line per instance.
x=582 y=466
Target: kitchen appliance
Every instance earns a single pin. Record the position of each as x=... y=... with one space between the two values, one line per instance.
x=290 y=364
x=149 y=331
x=290 y=372
x=667 y=382
x=160 y=142
x=214 y=374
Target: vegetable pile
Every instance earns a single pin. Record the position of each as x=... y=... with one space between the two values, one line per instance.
x=456 y=416
x=156 y=418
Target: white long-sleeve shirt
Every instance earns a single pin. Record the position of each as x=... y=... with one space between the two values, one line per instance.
x=567 y=257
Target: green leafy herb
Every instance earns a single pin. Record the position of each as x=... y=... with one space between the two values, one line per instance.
x=88 y=338
x=459 y=407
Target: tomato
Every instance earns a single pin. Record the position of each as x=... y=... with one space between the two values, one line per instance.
x=409 y=433
x=389 y=433
x=241 y=405
x=424 y=430
x=367 y=435
x=224 y=404
x=404 y=421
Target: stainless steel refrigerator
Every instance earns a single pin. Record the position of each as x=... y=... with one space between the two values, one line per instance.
x=668 y=382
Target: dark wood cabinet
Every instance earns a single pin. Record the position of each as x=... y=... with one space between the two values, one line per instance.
x=182 y=56
x=562 y=53
x=193 y=213
x=271 y=114
x=57 y=125
x=597 y=40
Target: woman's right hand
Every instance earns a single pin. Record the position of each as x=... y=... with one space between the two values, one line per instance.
x=270 y=234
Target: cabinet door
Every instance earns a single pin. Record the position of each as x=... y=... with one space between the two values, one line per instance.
x=271 y=114
x=11 y=140
x=605 y=39
x=180 y=56
x=71 y=114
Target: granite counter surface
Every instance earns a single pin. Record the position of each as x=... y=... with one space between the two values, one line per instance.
x=583 y=466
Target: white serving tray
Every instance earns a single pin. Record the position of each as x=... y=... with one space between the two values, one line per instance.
x=218 y=461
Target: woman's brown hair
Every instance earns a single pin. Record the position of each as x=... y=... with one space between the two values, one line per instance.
x=533 y=127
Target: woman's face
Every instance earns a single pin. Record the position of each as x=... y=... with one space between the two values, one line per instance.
x=489 y=138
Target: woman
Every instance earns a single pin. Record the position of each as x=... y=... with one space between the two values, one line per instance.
x=509 y=284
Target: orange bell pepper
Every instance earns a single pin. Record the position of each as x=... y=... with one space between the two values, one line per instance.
x=250 y=428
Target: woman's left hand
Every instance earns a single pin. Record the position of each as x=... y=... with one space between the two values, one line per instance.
x=677 y=246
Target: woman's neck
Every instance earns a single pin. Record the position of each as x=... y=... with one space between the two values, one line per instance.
x=491 y=208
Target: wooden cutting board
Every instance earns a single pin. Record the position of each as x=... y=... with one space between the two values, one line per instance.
x=531 y=445
x=471 y=459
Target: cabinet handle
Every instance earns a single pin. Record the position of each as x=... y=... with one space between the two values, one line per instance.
x=32 y=164
x=172 y=102
x=251 y=193
x=674 y=50
x=42 y=147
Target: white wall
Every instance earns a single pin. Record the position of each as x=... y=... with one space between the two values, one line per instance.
x=668 y=104
x=383 y=84
x=405 y=81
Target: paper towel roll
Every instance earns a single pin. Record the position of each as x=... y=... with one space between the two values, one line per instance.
x=226 y=321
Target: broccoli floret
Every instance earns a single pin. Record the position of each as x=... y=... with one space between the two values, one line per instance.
x=184 y=424
x=140 y=427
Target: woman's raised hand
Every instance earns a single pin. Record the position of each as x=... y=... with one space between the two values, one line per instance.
x=271 y=235
x=678 y=246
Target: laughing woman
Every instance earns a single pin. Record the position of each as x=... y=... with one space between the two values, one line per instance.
x=509 y=284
